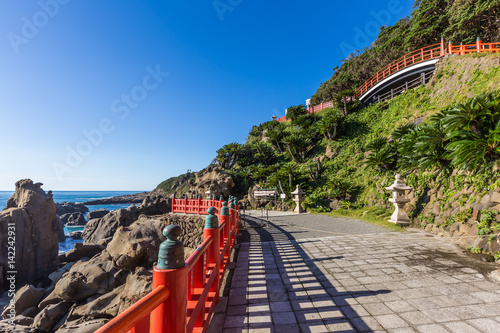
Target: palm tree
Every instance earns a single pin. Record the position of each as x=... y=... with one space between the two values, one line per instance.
x=290 y=168
x=329 y=123
x=481 y=111
x=382 y=154
x=228 y=155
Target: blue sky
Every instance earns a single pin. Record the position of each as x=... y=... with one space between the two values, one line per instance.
x=120 y=95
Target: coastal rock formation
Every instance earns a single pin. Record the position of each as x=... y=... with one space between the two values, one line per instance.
x=73 y=219
x=136 y=245
x=154 y=205
x=70 y=207
x=97 y=214
x=31 y=214
x=122 y=199
x=100 y=229
x=98 y=283
x=80 y=251
x=25 y=298
x=217 y=180
x=61 y=237
x=76 y=234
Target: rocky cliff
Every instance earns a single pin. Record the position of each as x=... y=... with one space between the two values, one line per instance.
x=29 y=225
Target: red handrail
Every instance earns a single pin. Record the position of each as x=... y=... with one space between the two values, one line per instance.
x=426 y=53
x=137 y=312
x=194 y=206
x=183 y=300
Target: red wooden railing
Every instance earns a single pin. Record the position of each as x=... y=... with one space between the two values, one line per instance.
x=194 y=206
x=426 y=53
x=183 y=300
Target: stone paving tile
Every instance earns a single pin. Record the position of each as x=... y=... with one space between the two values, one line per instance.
x=432 y=328
x=485 y=325
x=377 y=283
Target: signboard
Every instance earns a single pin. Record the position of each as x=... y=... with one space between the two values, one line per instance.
x=267 y=193
x=264 y=193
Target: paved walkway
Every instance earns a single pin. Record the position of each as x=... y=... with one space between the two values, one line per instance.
x=320 y=274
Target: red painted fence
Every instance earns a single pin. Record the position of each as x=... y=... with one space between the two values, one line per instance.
x=427 y=53
x=194 y=206
x=183 y=300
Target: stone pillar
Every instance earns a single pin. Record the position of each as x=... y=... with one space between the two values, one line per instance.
x=298 y=193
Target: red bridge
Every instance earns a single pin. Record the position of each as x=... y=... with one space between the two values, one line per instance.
x=384 y=84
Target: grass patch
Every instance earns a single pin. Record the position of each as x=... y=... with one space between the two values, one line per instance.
x=373 y=215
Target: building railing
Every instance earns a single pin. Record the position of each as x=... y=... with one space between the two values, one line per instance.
x=194 y=206
x=184 y=293
x=424 y=54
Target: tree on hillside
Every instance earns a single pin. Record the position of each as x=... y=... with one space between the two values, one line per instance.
x=328 y=124
x=228 y=155
x=294 y=111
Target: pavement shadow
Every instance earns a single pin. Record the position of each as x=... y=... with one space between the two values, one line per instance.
x=315 y=303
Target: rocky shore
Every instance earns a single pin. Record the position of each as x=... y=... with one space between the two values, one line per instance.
x=121 y=199
x=83 y=288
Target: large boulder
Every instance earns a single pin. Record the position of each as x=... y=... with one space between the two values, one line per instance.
x=136 y=245
x=73 y=219
x=48 y=317
x=31 y=215
x=217 y=180
x=98 y=229
x=26 y=297
x=154 y=205
x=97 y=214
x=80 y=251
x=82 y=325
x=70 y=207
x=88 y=278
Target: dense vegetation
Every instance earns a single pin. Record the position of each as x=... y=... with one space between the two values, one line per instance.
x=349 y=155
x=458 y=21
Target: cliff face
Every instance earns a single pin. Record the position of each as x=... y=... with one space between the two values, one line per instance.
x=28 y=234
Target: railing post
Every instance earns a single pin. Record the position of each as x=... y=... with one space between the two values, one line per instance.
x=422 y=55
x=478 y=45
x=450 y=48
x=212 y=229
x=442 y=47
x=171 y=272
x=224 y=217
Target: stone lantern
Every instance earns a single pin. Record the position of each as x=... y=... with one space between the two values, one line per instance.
x=209 y=194
x=399 y=200
x=298 y=193
x=273 y=117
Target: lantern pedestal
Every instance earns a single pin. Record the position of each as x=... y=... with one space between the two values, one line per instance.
x=399 y=200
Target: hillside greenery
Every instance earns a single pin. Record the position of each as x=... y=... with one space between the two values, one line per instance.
x=350 y=155
x=458 y=21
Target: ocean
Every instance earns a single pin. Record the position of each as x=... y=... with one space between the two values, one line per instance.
x=75 y=196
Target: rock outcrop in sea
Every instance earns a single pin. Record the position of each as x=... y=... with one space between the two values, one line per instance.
x=29 y=233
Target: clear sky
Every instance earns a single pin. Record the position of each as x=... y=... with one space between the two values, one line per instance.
x=121 y=95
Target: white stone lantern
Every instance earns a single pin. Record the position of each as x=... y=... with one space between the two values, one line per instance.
x=298 y=193
x=399 y=200
x=209 y=194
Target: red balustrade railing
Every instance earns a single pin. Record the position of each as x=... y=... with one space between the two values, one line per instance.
x=426 y=53
x=194 y=206
x=183 y=300
x=479 y=47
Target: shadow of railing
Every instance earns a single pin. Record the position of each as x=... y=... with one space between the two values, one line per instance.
x=314 y=299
